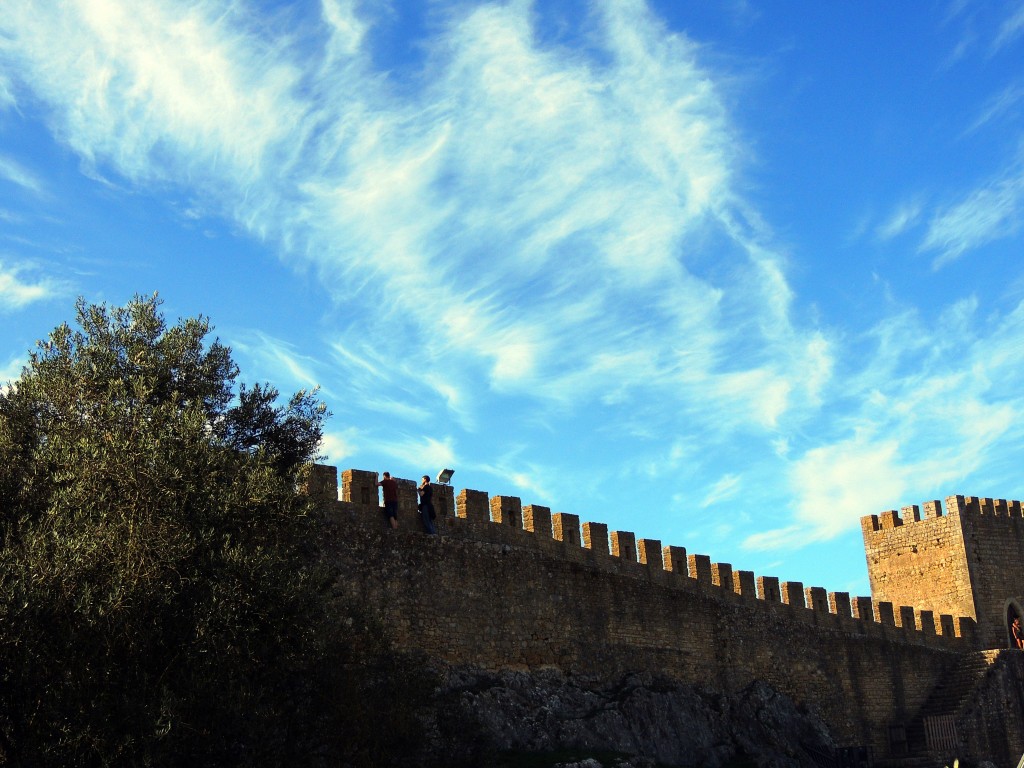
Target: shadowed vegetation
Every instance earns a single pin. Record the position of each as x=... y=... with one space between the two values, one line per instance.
x=162 y=596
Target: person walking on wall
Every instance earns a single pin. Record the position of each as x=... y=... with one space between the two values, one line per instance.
x=1018 y=633
x=390 y=486
x=427 y=513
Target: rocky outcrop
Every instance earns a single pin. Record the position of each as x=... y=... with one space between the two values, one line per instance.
x=639 y=715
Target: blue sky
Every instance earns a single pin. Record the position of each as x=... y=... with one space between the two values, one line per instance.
x=724 y=275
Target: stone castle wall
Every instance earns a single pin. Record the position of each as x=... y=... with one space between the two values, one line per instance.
x=993 y=720
x=968 y=561
x=509 y=585
x=994 y=537
x=919 y=560
x=501 y=519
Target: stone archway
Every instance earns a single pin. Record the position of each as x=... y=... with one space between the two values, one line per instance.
x=1013 y=608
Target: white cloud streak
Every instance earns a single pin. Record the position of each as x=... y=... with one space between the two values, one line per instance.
x=726 y=488
x=15 y=173
x=141 y=86
x=6 y=97
x=922 y=424
x=429 y=453
x=16 y=293
x=520 y=220
x=338 y=446
x=990 y=212
x=524 y=476
x=999 y=106
x=903 y=218
x=278 y=357
x=1010 y=30
x=530 y=215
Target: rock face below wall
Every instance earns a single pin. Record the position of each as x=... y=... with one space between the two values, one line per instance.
x=664 y=721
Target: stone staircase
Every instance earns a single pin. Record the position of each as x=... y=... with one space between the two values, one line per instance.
x=945 y=701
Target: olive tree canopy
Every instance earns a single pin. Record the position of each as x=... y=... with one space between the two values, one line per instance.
x=161 y=597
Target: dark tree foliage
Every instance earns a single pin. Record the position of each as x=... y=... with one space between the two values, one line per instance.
x=161 y=597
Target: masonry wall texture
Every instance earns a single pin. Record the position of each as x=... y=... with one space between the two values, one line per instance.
x=968 y=561
x=511 y=586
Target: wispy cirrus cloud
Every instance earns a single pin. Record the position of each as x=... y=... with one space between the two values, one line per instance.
x=14 y=172
x=726 y=488
x=835 y=485
x=1011 y=29
x=922 y=423
x=431 y=453
x=148 y=86
x=904 y=217
x=278 y=357
x=517 y=230
x=7 y=98
x=990 y=212
x=374 y=381
x=513 y=471
x=529 y=216
x=990 y=27
x=1001 y=105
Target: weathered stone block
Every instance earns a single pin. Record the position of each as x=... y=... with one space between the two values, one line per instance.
x=624 y=545
x=768 y=589
x=700 y=568
x=408 y=499
x=926 y=622
x=910 y=514
x=360 y=487
x=745 y=584
x=863 y=609
x=320 y=483
x=537 y=519
x=444 y=500
x=721 y=576
x=839 y=603
x=793 y=593
x=566 y=528
x=649 y=553
x=907 y=620
x=473 y=506
x=675 y=559
x=507 y=510
x=816 y=598
x=595 y=537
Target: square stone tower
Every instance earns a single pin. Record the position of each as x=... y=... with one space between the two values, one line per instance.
x=966 y=562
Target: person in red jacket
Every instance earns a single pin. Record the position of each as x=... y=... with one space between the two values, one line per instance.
x=1018 y=633
x=390 y=486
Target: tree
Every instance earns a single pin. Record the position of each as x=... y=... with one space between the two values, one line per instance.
x=162 y=596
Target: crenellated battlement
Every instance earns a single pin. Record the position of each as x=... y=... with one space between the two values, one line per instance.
x=961 y=558
x=513 y=585
x=474 y=515
x=930 y=510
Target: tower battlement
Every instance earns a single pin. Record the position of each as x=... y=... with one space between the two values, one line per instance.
x=955 y=505
x=964 y=560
